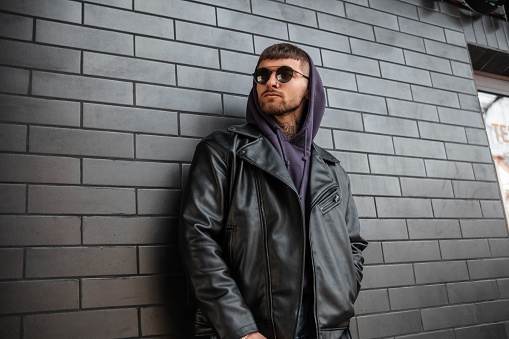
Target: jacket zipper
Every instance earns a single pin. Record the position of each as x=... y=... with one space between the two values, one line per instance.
x=230 y=231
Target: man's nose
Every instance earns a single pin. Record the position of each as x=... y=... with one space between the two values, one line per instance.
x=272 y=82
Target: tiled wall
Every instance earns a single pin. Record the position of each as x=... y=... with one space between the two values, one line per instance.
x=103 y=101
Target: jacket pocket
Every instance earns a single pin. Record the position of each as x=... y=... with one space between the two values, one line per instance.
x=331 y=200
x=230 y=232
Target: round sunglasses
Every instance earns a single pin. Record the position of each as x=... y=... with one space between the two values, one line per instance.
x=283 y=74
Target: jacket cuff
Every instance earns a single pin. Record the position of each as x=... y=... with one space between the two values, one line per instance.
x=239 y=333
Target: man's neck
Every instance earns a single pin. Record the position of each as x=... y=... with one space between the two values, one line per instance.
x=290 y=124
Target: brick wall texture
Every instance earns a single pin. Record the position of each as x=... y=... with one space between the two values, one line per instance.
x=102 y=103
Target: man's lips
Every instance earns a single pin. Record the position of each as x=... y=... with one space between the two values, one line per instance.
x=271 y=94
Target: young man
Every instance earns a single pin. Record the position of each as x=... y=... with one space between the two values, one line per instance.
x=269 y=232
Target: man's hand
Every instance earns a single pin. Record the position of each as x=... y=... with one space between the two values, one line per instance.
x=256 y=335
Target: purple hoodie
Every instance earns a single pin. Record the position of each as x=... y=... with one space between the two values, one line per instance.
x=295 y=152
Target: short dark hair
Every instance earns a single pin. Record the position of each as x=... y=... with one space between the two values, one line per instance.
x=285 y=51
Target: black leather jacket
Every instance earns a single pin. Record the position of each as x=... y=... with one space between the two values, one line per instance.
x=243 y=238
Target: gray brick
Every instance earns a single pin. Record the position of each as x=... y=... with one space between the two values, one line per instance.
x=128 y=4
x=432 y=188
x=51 y=9
x=26 y=230
x=396 y=165
x=417 y=297
x=449 y=316
x=178 y=99
x=503 y=285
x=427 y=62
x=392 y=126
x=484 y=172
x=462 y=69
x=365 y=207
x=211 y=79
x=389 y=324
x=455 y=38
x=475 y=190
x=382 y=87
x=460 y=117
x=345 y=26
x=13 y=138
x=211 y=36
x=241 y=5
x=477 y=136
x=128 y=68
x=356 y=101
x=12 y=198
x=39 y=169
x=362 y=142
x=372 y=301
x=472 y=291
x=323 y=138
x=326 y=6
x=81 y=88
x=252 y=24
x=238 y=62
x=159 y=259
x=492 y=209
x=399 y=39
x=80 y=200
x=14 y=80
x=383 y=52
x=353 y=162
x=435 y=96
x=373 y=254
x=470 y=102
x=350 y=63
x=395 y=7
x=464 y=249
x=483 y=228
x=158 y=202
x=468 y=153
x=403 y=208
x=127 y=21
x=11 y=263
x=384 y=229
x=433 y=229
x=129 y=119
x=81 y=142
x=262 y=42
x=80 y=261
x=489 y=268
x=285 y=12
x=11 y=326
x=176 y=52
x=442 y=132
x=499 y=247
x=421 y=29
x=371 y=17
x=178 y=10
x=37 y=296
x=439 y=19
x=414 y=110
x=446 y=208
x=410 y=251
x=388 y=276
x=482 y=331
x=141 y=290
x=440 y=272
x=200 y=126
x=447 y=51
x=342 y=120
x=338 y=79
x=419 y=147
x=113 y=323
x=444 y=81
x=448 y=169
x=234 y=105
x=405 y=74
x=319 y=38
x=25 y=54
x=37 y=111
x=16 y=27
x=375 y=185
x=165 y=148
x=493 y=311
x=128 y=231
x=84 y=37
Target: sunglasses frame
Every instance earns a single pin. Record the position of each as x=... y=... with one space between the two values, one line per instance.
x=279 y=80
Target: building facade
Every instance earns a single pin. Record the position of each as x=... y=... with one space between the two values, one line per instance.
x=103 y=101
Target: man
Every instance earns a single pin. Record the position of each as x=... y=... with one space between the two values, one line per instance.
x=269 y=232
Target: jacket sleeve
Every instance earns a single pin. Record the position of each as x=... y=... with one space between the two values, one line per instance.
x=203 y=211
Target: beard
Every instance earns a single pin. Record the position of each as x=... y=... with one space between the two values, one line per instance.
x=280 y=106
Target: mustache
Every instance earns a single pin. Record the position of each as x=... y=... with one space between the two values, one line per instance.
x=272 y=91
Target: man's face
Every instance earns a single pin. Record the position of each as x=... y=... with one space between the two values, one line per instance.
x=280 y=99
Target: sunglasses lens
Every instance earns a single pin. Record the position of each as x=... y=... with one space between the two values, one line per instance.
x=284 y=74
x=261 y=76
